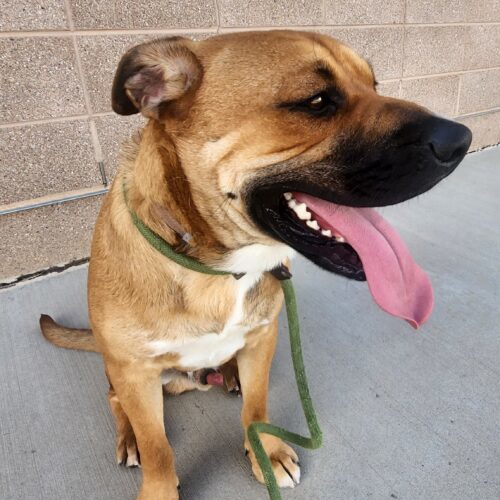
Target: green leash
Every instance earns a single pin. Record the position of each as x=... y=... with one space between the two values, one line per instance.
x=255 y=428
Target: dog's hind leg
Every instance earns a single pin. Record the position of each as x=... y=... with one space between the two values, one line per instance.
x=254 y=365
x=126 y=446
x=139 y=390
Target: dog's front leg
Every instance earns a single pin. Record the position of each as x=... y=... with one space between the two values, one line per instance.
x=139 y=391
x=254 y=365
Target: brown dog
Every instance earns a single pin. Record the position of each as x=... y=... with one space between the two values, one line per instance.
x=253 y=139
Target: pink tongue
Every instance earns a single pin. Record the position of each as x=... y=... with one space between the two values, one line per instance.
x=396 y=282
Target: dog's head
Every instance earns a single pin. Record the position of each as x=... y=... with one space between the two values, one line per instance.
x=263 y=122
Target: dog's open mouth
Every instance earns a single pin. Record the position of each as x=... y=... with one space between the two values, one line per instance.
x=354 y=242
x=308 y=230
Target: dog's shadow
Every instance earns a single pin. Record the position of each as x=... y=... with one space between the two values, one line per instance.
x=205 y=432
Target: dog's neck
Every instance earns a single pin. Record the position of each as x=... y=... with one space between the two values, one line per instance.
x=160 y=194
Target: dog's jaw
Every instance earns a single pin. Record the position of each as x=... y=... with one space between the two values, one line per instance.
x=256 y=258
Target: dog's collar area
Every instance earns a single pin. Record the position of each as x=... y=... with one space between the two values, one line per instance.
x=171 y=222
x=157 y=242
x=280 y=272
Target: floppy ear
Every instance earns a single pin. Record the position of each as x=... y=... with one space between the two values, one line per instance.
x=152 y=74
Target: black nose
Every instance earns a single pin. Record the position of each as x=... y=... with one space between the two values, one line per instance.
x=449 y=141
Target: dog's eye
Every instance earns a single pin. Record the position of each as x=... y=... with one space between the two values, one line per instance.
x=319 y=105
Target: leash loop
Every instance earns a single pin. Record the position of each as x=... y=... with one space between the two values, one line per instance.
x=255 y=428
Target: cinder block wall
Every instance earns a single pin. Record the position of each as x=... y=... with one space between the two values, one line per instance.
x=58 y=135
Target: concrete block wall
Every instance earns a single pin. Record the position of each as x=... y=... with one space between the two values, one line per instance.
x=58 y=135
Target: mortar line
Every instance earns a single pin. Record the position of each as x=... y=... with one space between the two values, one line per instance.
x=403 y=48
x=459 y=91
x=43 y=121
x=437 y=75
x=69 y=16
x=187 y=30
x=77 y=57
x=479 y=113
x=103 y=32
x=380 y=25
x=99 y=157
x=217 y=13
x=360 y=26
x=79 y=67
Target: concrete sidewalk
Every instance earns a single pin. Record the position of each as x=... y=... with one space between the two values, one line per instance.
x=405 y=414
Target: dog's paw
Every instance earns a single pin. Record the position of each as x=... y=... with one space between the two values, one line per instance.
x=283 y=458
x=127 y=453
x=231 y=378
x=232 y=386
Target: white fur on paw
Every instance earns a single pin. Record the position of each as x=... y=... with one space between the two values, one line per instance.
x=132 y=460
x=289 y=476
x=284 y=460
x=286 y=482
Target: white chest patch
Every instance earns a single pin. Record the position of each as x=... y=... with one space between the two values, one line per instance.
x=212 y=349
x=257 y=258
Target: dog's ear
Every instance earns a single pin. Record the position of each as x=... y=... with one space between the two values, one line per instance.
x=153 y=74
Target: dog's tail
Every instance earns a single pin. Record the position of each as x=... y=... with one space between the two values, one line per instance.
x=69 y=338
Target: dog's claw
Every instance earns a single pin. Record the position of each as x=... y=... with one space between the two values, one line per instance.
x=235 y=390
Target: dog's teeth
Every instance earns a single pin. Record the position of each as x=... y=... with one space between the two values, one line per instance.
x=292 y=204
x=302 y=212
x=313 y=224
x=326 y=232
x=288 y=196
x=340 y=239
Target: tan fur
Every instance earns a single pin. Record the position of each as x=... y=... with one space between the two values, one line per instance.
x=222 y=128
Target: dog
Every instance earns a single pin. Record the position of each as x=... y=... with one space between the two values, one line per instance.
x=258 y=145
